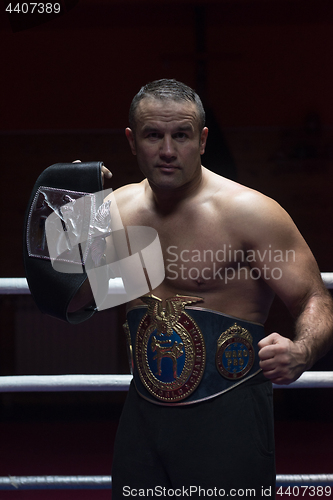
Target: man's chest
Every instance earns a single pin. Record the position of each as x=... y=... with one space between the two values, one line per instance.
x=197 y=246
x=201 y=256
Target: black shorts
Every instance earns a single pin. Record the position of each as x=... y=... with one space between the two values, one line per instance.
x=224 y=445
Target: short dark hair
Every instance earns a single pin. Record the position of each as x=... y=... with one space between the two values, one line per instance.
x=167 y=89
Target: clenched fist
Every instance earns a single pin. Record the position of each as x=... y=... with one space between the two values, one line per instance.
x=282 y=360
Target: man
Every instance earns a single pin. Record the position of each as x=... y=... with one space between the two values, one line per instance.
x=227 y=251
x=198 y=418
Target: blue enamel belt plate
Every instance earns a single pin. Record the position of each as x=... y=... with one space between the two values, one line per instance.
x=183 y=356
x=235 y=353
x=170 y=349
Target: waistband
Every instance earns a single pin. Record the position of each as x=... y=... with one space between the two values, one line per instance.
x=185 y=354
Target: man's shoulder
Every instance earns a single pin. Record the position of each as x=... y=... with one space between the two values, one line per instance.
x=241 y=198
x=129 y=192
x=248 y=211
x=257 y=218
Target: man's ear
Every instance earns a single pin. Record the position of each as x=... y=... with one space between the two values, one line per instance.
x=130 y=137
x=203 y=140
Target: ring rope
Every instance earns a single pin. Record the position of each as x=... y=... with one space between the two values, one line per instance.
x=105 y=482
x=304 y=479
x=67 y=383
x=64 y=383
x=55 y=482
x=19 y=286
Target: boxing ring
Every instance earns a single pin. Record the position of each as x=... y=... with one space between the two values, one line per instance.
x=61 y=383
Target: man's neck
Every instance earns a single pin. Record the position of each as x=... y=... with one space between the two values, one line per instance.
x=167 y=200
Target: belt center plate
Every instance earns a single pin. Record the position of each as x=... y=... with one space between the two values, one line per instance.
x=170 y=349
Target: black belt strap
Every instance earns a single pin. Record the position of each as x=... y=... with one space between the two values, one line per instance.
x=53 y=290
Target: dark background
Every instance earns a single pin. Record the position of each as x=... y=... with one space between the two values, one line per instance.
x=264 y=71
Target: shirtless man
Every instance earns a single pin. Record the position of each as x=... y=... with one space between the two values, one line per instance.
x=234 y=248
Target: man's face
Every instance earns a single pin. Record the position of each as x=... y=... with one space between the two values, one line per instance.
x=167 y=142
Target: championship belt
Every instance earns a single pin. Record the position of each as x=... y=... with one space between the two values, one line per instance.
x=58 y=185
x=184 y=354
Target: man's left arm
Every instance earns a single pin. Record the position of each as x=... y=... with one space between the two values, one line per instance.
x=283 y=360
x=300 y=286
